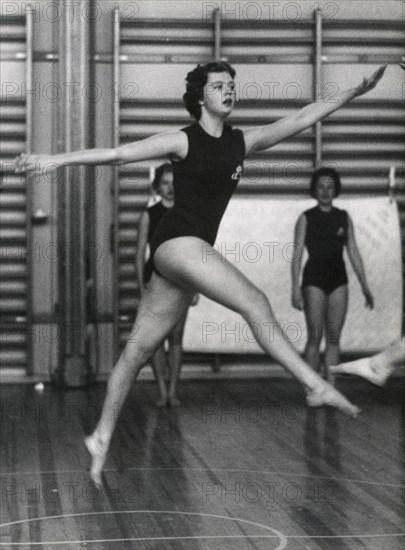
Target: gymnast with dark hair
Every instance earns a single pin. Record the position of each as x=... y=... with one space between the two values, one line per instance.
x=325 y=231
x=207 y=158
x=162 y=186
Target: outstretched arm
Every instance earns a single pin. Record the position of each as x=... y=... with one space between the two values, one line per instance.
x=168 y=145
x=357 y=263
x=263 y=137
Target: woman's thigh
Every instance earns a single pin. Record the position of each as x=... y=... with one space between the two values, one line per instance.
x=336 y=310
x=194 y=264
x=314 y=309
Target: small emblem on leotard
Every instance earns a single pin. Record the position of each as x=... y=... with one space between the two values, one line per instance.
x=340 y=232
x=238 y=172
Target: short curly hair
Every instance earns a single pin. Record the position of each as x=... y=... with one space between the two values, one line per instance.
x=159 y=175
x=321 y=172
x=197 y=79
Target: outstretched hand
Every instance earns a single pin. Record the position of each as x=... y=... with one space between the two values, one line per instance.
x=35 y=164
x=370 y=82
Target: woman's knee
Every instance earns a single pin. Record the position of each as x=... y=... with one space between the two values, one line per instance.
x=255 y=302
x=314 y=337
x=138 y=353
x=332 y=333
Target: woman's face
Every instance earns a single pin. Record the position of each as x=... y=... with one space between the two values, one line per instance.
x=325 y=190
x=219 y=93
x=166 y=189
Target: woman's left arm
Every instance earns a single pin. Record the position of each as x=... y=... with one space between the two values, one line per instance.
x=357 y=263
x=263 y=137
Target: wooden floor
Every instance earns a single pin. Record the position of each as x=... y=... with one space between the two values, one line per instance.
x=242 y=465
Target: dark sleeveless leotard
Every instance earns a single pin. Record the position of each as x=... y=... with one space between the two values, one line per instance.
x=156 y=213
x=326 y=236
x=203 y=184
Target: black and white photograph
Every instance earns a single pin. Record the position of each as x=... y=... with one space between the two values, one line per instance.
x=202 y=259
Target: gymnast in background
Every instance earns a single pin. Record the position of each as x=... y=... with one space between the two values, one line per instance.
x=162 y=185
x=325 y=231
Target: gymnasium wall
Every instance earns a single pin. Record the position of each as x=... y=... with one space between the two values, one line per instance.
x=150 y=93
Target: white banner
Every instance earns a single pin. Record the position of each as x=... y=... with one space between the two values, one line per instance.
x=257 y=235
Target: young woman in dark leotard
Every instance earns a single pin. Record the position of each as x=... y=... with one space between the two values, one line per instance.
x=325 y=230
x=207 y=159
x=150 y=220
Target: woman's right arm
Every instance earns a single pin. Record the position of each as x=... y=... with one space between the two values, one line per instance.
x=169 y=145
x=299 y=244
x=264 y=136
x=143 y=231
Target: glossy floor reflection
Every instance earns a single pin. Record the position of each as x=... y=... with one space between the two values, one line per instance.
x=240 y=465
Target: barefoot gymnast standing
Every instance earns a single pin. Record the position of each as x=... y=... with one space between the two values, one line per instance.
x=207 y=159
x=325 y=231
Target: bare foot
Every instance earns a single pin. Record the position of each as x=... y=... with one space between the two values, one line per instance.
x=173 y=401
x=378 y=368
x=326 y=395
x=98 y=452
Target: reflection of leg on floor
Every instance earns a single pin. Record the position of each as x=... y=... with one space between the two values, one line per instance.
x=379 y=367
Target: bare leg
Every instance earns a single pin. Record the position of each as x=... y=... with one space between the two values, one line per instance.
x=208 y=273
x=161 y=307
x=158 y=363
x=379 y=367
x=175 y=359
x=335 y=317
x=314 y=308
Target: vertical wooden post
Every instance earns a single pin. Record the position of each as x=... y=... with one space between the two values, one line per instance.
x=217 y=34
x=115 y=182
x=318 y=83
x=74 y=32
